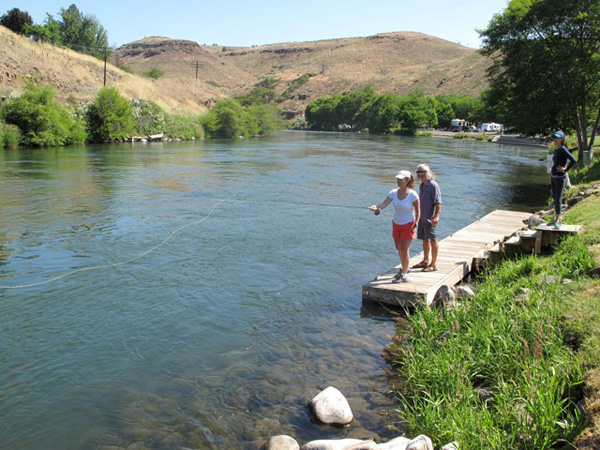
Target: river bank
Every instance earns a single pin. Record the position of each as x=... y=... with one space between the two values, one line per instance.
x=498 y=138
x=519 y=366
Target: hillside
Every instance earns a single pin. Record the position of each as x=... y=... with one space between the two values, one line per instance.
x=195 y=76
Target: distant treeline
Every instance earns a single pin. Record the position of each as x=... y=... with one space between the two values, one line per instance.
x=36 y=118
x=365 y=110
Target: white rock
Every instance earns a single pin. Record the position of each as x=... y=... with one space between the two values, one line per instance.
x=281 y=442
x=364 y=445
x=331 y=407
x=399 y=443
x=464 y=292
x=331 y=444
x=451 y=446
x=421 y=442
x=534 y=220
x=444 y=297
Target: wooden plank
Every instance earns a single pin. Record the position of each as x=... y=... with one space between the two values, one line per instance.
x=457 y=254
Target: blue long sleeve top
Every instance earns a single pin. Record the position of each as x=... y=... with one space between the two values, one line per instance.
x=562 y=157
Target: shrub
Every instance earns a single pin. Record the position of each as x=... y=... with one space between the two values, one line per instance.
x=110 y=117
x=227 y=119
x=42 y=120
x=127 y=69
x=155 y=73
x=10 y=136
x=149 y=117
x=184 y=127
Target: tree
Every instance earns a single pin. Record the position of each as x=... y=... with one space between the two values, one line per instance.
x=228 y=119
x=416 y=111
x=110 y=117
x=322 y=115
x=82 y=33
x=16 y=20
x=546 y=63
x=379 y=115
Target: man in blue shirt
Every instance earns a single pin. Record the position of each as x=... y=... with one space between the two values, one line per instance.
x=430 y=196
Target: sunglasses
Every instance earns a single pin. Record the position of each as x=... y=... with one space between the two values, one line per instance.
x=421 y=171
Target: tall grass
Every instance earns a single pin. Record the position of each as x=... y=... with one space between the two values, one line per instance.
x=496 y=373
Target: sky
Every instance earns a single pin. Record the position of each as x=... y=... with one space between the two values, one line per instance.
x=244 y=23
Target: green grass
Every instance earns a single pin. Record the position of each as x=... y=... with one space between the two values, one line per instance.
x=529 y=357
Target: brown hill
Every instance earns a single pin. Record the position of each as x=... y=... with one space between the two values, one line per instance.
x=195 y=76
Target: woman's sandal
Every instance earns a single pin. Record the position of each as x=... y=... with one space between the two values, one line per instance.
x=420 y=265
x=429 y=268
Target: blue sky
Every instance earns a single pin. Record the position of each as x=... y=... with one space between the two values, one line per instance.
x=245 y=23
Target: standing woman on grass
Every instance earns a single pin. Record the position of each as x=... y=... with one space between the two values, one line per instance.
x=562 y=161
x=406 y=217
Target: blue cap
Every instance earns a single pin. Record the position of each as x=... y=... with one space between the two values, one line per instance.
x=559 y=134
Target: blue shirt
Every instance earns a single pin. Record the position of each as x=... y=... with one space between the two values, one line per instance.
x=430 y=194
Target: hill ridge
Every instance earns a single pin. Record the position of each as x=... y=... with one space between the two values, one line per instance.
x=195 y=75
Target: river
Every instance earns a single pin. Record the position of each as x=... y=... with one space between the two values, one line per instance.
x=198 y=295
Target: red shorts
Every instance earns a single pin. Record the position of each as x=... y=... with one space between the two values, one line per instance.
x=404 y=232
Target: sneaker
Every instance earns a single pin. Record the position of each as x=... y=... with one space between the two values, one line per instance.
x=557 y=225
x=399 y=277
x=550 y=224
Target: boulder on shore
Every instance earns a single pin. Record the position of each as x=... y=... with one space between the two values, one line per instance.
x=281 y=442
x=331 y=407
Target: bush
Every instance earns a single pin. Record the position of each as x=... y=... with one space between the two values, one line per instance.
x=10 y=136
x=110 y=117
x=149 y=117
x=184 y=127
x=41 y=119
x=155 y=73
x=127 y=69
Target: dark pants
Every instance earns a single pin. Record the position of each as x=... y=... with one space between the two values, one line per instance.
x=558 y=187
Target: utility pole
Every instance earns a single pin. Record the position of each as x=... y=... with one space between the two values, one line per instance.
x=197 y=67
x=105 y=56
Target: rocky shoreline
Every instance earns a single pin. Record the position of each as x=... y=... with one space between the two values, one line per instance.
x=330 y=407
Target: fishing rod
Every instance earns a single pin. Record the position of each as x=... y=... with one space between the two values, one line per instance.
x=330 y=205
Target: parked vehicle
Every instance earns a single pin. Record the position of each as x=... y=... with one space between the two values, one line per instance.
x=491 y=127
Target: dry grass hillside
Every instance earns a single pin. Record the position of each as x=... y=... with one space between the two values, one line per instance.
x=75 y=76
x=196 y=76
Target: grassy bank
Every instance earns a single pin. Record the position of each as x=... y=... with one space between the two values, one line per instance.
x=510 y=368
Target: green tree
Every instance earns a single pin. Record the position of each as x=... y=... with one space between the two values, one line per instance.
x=228 y=119
x=82 y=33
x=380 y=115
x=268 y=119
x=42 y=120
x=444 y=111
x=322 y=114
x=416 y=111
x=546 y=62
x=349 y=105
x=16 y=20
x=110 y=117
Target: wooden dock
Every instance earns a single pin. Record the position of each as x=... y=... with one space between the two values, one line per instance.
x=457 y=254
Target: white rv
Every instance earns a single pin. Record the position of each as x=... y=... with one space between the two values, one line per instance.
x=491 y=127
x=458 y=124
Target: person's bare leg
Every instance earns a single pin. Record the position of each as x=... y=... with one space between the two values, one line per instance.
x=434 y=252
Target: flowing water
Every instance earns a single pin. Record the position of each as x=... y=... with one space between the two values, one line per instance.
x=198 y=295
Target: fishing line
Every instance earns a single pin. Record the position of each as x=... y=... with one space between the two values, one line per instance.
x=117 y=264
x=173 y=233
